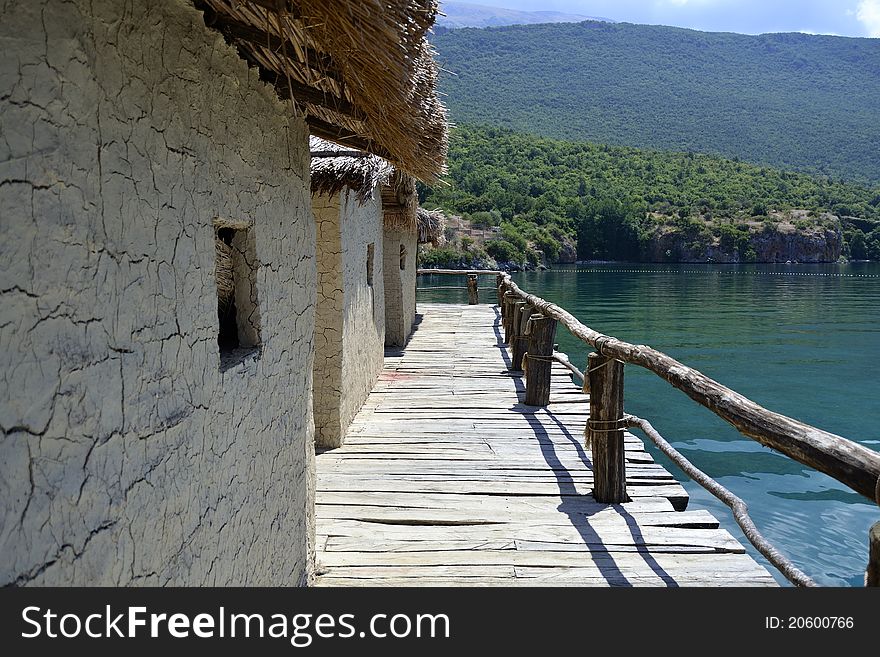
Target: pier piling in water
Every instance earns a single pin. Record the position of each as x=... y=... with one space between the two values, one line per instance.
x=473 y=290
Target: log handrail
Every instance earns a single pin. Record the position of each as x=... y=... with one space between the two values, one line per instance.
x=737 y=506
x=461 y=288
x=459 y=272
x=846 y=461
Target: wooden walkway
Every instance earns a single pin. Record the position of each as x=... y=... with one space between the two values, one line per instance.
x=447 y=479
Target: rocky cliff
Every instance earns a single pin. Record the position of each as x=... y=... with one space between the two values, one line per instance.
x=755 y=242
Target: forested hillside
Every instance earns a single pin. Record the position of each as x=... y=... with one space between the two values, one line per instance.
x=795 y=101
x=613 y=202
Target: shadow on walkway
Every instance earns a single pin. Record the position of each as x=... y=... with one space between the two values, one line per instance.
x=572 y=501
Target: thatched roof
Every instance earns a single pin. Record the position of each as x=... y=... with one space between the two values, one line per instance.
x=361 y=71
x=334 y=168
x=399 y=202
x=431 y=225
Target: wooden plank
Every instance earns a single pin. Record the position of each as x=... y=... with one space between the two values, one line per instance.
x=683 y=568
x=490 y=514
x=588 y=561
x=458 y=571
x=539 y=531
x=671 y=491
x=345 y=544
x=360 y=521
x=557 y=581
x=610 y=540
x=454 y=502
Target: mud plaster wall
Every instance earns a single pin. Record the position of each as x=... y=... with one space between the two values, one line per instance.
x=327 y=383
x=400 y=286
x=363 y=330
x=127 y=457
x=350 y=317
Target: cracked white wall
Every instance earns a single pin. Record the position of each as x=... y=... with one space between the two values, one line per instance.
x=350 y=315
x=127 y=457
x=400 y=285
x=327 y=383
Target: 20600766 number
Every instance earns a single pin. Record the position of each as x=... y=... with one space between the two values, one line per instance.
x=809 y=623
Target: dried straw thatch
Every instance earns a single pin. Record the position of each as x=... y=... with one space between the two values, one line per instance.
x=334 y=168
x=399 y=202
x=362 y=71
x=224 y=263
x=432 y=225
x=223 y=274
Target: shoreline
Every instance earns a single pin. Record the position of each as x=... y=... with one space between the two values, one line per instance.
x=640 y=263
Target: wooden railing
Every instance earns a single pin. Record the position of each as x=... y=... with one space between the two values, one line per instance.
x=529 y=324
x=471 y=287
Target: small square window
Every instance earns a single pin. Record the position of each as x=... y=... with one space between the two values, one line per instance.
x=235 y=273
x=371 y=253
x=402 y=257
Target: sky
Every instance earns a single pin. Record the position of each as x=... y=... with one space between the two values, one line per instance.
x=858 y=18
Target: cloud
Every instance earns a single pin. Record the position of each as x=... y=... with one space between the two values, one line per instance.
x=869 y=15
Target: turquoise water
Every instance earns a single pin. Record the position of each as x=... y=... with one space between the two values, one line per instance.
x=803 y=340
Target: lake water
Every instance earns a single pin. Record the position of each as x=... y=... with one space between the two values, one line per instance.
x=803 y=340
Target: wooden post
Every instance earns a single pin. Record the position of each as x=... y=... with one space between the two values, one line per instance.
x=872 y=576
x=606 y=411
x=517 y=344
x=473 y=292
x=521 y=341
x=540 y=365
x=499 y=284
x=509 y=298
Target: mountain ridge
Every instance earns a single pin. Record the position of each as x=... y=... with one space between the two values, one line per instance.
x=466 y=14
x=801 y=102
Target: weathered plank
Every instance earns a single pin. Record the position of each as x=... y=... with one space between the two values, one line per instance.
x=592 y=562
x=577 y=580
x=610 y=540
x=543 y=528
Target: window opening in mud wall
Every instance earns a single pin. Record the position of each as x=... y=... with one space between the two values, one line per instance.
x=237 y=303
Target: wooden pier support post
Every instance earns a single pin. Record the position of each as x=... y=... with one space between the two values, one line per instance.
x=473 y=291
x=499 y=285
x=604 y=429
x=507 y=314
x=521 y=341
x=540 y=363
x=517 y=343
x=872 y=576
